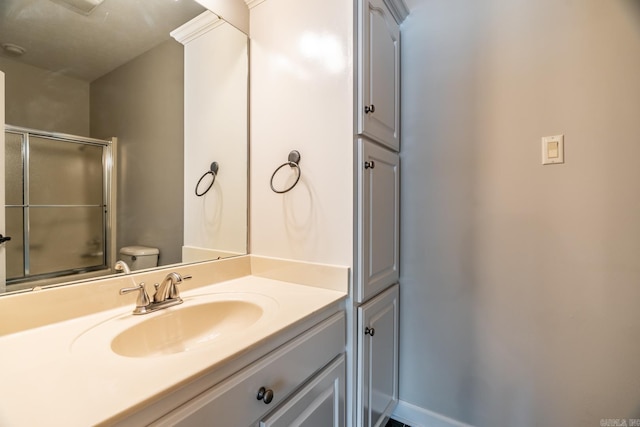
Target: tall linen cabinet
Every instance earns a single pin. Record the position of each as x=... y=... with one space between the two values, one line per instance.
x=376 y=292
x=325 y=81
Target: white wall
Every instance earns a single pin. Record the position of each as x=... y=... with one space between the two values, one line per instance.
x=520 y=282
x=232 y=11
x=301 y=57
x=216 y=63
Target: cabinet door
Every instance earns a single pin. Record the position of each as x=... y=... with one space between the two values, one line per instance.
x=378 y=74
x=320 y=403
x=378 y=358
x=379 y=222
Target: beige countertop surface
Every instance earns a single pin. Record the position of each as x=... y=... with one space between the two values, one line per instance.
x=66 y=373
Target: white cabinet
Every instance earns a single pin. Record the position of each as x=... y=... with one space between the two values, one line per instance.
x=378 y=358
x=320 y=403
x=250 y=395
x=378 y=168
x=378 y=74
x=379 y=220
x=375 y=291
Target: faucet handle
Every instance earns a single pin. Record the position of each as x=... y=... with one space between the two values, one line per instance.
x=143 y=298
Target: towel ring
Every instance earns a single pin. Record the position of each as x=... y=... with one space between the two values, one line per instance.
x=293 y=161
x=213 y=170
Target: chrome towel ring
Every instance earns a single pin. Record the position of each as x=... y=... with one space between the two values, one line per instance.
x=293 y=161
x=213 y=170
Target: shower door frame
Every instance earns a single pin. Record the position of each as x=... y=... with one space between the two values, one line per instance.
x=108 y=201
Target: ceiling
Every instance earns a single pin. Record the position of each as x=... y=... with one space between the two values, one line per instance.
x=87 y=47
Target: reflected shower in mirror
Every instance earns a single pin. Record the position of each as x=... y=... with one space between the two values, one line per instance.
x=56 y=201
x=103 y=156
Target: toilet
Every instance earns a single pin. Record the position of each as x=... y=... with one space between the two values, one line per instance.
x=139 y=257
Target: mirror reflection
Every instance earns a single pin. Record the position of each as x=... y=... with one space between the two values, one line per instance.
x=111 y=123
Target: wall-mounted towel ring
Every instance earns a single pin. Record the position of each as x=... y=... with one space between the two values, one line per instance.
x=294 y=162
x=213 y=170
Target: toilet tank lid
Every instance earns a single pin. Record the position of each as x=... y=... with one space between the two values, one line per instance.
x=139 y=250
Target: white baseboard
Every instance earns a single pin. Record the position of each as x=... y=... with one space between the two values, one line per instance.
x=418 y=417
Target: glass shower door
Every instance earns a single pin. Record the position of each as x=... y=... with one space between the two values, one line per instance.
x=65 y=206
x=55 y=207
x=14 y=201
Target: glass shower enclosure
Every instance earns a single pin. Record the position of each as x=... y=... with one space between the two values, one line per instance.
x=57 y=204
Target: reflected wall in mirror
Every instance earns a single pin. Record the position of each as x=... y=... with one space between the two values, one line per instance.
x=118 y=105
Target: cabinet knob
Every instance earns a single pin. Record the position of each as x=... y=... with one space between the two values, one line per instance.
x=369 y=109
x=369 y=331
x=265 y=394
x=369 y=165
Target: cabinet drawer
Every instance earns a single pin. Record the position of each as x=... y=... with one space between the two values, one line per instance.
x=234 y=401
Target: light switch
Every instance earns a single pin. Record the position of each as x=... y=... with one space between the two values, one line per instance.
x=553 y=149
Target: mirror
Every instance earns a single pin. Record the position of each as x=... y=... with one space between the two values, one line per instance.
x=112 y=141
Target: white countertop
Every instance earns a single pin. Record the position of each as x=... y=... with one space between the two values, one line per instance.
x=66 y=374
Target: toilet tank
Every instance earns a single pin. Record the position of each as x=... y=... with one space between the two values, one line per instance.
x=139 y=257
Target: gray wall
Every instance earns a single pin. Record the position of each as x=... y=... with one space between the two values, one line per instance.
x=142 y=104
x=521 y=282
x=45 y=100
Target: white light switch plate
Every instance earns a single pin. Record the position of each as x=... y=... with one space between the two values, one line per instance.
x=552 y=149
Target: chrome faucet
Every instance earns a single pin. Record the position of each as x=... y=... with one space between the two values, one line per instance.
x=168 y=289
x=166 y=295
x=122 y=266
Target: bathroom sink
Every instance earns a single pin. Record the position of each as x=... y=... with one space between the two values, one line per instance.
x=201 y=320
x=183 y=328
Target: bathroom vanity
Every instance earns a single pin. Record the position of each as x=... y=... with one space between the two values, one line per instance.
x=256 y=341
